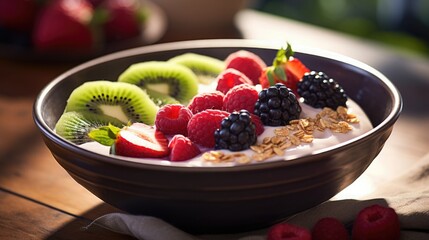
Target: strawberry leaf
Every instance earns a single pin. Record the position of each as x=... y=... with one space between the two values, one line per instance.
x=105 y=135
x=270 y=76
x=283 y=55
x=280 y=73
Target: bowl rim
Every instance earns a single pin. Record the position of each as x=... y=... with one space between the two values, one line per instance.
x=217 y=43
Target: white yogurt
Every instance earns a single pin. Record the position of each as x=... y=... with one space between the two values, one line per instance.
x=321 y=140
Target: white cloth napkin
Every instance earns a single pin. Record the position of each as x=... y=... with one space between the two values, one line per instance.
x=407 y=194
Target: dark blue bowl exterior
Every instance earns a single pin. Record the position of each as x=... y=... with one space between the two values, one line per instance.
x=230 y=199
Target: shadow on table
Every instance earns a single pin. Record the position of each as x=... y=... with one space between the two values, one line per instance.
x=76 y=229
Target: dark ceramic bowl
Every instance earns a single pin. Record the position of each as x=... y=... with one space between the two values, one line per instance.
x=222 y=199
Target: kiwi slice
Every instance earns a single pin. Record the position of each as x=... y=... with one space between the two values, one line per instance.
x=161 y=99
x=165 y=78
x=123 y=101
x=206 y=68
x=75 y=126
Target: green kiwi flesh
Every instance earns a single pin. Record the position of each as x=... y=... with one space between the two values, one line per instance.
x=172 y=79
x=123 y=101
x=75 y=126
x=206 y=68
x=161 y=99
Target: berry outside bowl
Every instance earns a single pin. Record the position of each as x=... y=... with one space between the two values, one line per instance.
x=222 y=199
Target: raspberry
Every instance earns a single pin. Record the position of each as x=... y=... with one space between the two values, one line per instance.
x=248 y=63
x=240 y=97
x=209 y=100
x=259 y=126
x=202 y=126
x=237 y=132
x=173 y=119
x=376 y=222
x=285 y=231
x=230 y=78
x=182 y=148
x=329 y=228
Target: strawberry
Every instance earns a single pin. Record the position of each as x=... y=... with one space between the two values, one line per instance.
x=285 y=69
x=142 y=141
x=376 y=222
x=329 y=228
x=17 y=14
x=248 y=63
x=286 y=231
x=230 y=78
x=182 y=148
x=124 y=19
x=63 y=26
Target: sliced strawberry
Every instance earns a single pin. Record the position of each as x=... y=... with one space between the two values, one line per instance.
x=182 y=148
x=376 y=223
x=63 y=26
x=248 y=63
x=230 y=78
x=124 y=19
x=285 y=69
x=286 y=231
x=295 y=70
x=142 y=141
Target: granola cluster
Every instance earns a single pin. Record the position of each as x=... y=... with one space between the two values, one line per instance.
x=298 y=132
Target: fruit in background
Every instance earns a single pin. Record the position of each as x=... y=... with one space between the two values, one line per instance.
x=285 y=69
x=206 y=68
x=286 y=231
x=96 y=3
x=243 y=96
x=376 y=222
x=75 y=126
x=248 y=63
x=329 y=228
x=229 y=78
x=165 y=78
x=206 y=100
x=202 y=126
x=64 y=26
x=277 y=105
x=123 y=19
x=319 y=91
x=17 y=15
x=125 y=102
x=236 y=132
x=173 y=119
x=141 y=141
x=182 y=149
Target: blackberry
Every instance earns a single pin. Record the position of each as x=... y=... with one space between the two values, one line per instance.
x=277 y=105
x=237 y=132
x=319 y=91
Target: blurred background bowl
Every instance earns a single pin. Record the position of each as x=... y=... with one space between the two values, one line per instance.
x=222 y=199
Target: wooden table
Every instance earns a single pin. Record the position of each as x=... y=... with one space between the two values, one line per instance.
x=39 y=200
